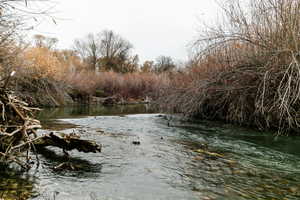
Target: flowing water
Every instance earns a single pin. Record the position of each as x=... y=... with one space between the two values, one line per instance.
x=175 y=160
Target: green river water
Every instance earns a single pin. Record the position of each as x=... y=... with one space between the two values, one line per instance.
x=203 y=160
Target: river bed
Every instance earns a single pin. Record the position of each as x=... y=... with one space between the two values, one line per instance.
x=174 y=160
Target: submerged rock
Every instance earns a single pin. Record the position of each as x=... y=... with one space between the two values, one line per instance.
x=136 y=142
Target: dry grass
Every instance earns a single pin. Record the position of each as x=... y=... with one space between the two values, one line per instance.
x=246 y=72
x=43 y=71
x=130 y=85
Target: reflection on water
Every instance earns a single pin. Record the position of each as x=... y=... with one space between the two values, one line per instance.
x=203 y=160
x=92 y=110
x=49 y=115
x=81 y=167
x=16 y=185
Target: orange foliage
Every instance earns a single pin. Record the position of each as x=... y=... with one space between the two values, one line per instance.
x=41 y=63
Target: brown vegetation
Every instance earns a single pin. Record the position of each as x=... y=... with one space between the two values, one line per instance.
x=130 y=85
x=99 y=65
x=60 y=73
x=246 y=71
x=64 y=74
x=19 y=137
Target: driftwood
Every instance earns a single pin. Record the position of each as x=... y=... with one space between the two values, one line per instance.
x=18 y=133
x=68 y=143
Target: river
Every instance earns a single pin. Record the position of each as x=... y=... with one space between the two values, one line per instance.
x=174 y=160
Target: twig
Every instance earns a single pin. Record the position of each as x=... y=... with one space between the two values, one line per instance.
x=8 y=78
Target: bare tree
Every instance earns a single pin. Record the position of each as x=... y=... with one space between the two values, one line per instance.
x=42 y=41
x=106 y=49
x=163 y=64
x=17 y=16
x=9 y=24
x=113 y=45
x=21 y=15
x=89 y=49
x=115 y=50
x=147 y=66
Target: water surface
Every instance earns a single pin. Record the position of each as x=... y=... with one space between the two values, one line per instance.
x=175 y=160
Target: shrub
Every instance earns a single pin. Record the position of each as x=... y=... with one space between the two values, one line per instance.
x=130 y=85
x=40 y=62
x=246 y=71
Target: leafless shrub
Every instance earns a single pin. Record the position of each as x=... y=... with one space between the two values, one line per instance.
x=130 y=85
x=17 y=16
x=247 y=71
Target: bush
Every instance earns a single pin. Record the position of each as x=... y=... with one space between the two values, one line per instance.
x=247 y=71
x=130 y=85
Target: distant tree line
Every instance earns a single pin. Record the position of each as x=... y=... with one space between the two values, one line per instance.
x=103 y=51
x=108 y=51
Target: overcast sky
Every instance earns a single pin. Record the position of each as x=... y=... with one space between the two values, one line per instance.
x=154 y=27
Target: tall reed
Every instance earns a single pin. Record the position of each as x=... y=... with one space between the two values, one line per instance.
x=246 y=71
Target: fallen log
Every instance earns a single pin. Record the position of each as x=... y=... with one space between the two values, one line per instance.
x=18 y=133
x=68 y=143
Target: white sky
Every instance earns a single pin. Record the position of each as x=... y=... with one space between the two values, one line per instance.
x=154 y=27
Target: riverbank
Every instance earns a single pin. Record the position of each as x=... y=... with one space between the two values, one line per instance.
x=246 y=70
x=46 y=92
